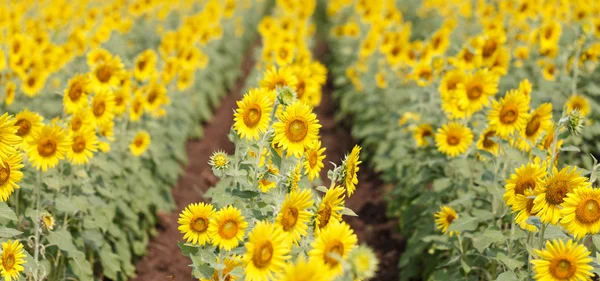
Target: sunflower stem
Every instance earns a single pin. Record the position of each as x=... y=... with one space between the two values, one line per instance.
x=36 y=250
x=542 y=232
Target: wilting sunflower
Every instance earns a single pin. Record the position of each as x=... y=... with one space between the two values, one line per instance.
x=47 y=147
x=523 y=205
x=282 y=77
x=444 y=217
x=478 y=88
x=84 y=143
x=334 y=242
x=303 y=270
x=294 y=214
x=253 y=114
x=296 y=129
x=266 y=252
x=330 y=208
x=28 y=122
x=105 y=75
x=581 y=212
x=486 y=143
x=194 y=221
x=8 y=136
x=422 y=133
x=314 y=160
x=145 y=65
x=554 y=190
x=539 y=121
x=528 y=176
x=364 y=262
x=224 y=274
x=140 y=143
x=453 y=139
x=350 y=168
x=578 y=102
x=226 y=229
x=560 y=261
x=13 y=258
x=510 y=114
x=76 y=94
x=10 y=175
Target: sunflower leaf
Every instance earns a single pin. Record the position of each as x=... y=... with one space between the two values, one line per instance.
x=6 y=232
x=7 y=212
x=349 y=212
x=507 y=276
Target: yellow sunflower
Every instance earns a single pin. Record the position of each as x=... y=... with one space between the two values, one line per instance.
x=528 y=176
x=81 y=119
x=28 y=122
x=330 y=208
x=226 y=229
x=156 y=96
x=486 y=143
x=97 y=56
x=422 y=133
x=314 y=160
x=296 y=129
x=138 y=106
x=284 y=53
x=8 y=136
x=34 y=82
x=47 y=147
x=452 y=84
x=105 y=74
x=122 y=97
x=47 y=220
x=194 y=221
x=479 y=87
x=13 y=258
x=145 y=65
x=554 y=190
x=76 y=94
x=578 y=102
x=581 y=212
x=266 y=252
x=364 y=262
x=523 y=205
x=253 y=115
x=140 y=143
x=84 y=143
x=350 y=168
x=453 y=139
x=294 y=214
x=225 y=274
x=525 y=88
x=273 y=78
x=539 y=121
x=560 y=261
x=10 y=92
x=103 y=104
x=332 y=244
x=510 y=114
x=444 y=217
x=303 y=270
x=10 y=175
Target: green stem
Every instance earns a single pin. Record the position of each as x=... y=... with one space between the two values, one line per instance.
x=36 y=220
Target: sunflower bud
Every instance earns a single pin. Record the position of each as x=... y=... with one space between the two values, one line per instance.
x=575 y=123
x=47 y=221
x=219 y=160
x=286 y=95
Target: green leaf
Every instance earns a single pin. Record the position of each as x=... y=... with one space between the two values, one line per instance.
x=510 y=263
x=489 y=236
x=321 y=188
x=441 y=184
x=186 y=249
x=349 y=212
x=63 y=240
x=465 y=266
x=244 y=193
x=110 y=262
x=464 y=223
x=570 y=148
x=6 y=232
x=507 y=276
x=7 y=212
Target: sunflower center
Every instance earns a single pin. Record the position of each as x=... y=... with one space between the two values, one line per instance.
x=76 y=124
x=324 y=215
x=141 y=65
x=450 y=218
x=289 y=218
x=426 y=133
x=300 y=89
x=252 y=116
x=509 y=114
x=47 y=147
x=556 y=192
x=103 y=73
x=489 y=48
x=78 y=144
x=562 y=268
x=75 y=92
x=533 y=126
x=487 y=142
x=229 y=229
x=576 y=105
x=452 y=140
x=468 y=56
x=529 y=207
x=119 y=100
x=475 y=91
x=47 y=221
x=425 y=74
x=152 y=96
x=99 y=108
x=24 y=127
x=336 y=247
x=8 y=262
x=220 y=161
x=521 y=186
x=312 y=158
x=262 y=254
x=588 y=212
x=283 y=53
x=199 y=224
x=548 y=32
x=139 y=141
x=297 y=130
x=31 y=81
x=4 y=174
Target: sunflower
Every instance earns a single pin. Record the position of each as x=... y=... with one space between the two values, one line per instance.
x=47 y=220
x=265 y=185
x=581 y=212
x=294 y=214
x=194 y=221
x=47 y=147
x=452 y=84
x=528 y=176
x=8 y=136
x=266 y=252
x=296 y=129
x=105 y=74
x=253 y=114
x=145 y=65
x=525 y=88
x=122 y=97
x=303 y=270
x=453 y=139
x=330 y=208
x=226 y=229
x=444 y=217
x=539 y=121
x=84 y=143
x=422 y=133
x=219 y=160
x=76 y=94
x=554 y=190
x=350 y=168
x=284 y=53
x=364 y=262
x=332 y=244
x=81 y=119
x=138 y=107
x=580 y=103
x=156 y=96
x=34 y=82
x=97 y=56
x=282 y=77
x=523 y=205
x=314 y=160
x=479 y=87
x=510 y=114
x=560 y=261
x=107 y=130
x=13 y=258
x=10 y=175
x=103 y=104
x=10 y=92
x=225 y=274
x=486 y=143
x=549 y=72
x=140 y=143
x=28 y=122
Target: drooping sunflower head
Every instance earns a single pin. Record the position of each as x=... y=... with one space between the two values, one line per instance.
x=330 y=208
x=333 y=245
x=444 y=217
x=350 y=170
x=453 y=139
x=295 y=214
x=526 y=177
x=267 y=251
x=581 y=212
x=314 y=160
x=140 y=143
x=486 y=142
x=13 y=258
x=580 y=103
x=47 y=147
x=422 y=134
x=84 y=143
x=194 y=221
x=10 y=175
x=252 y=117
x=525 y=88
x=10 y=92
x=296 y=129
x=227 y=228
x=562 y=261
x=278 y=78
x=510 y=114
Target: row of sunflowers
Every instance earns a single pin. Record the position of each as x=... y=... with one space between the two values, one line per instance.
x=482 y=116
x=99 y=99
x=269 y=216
